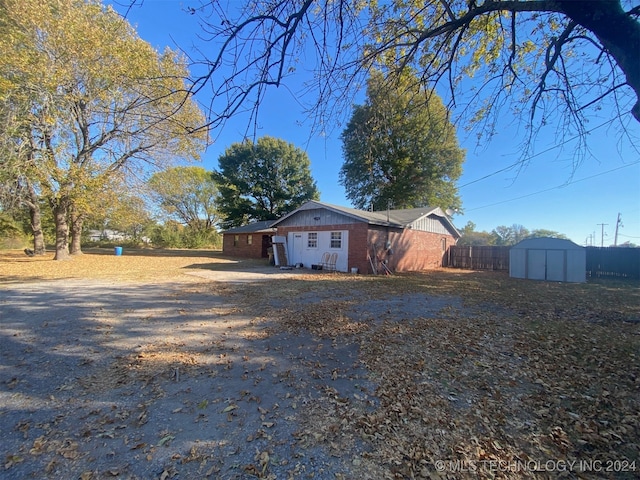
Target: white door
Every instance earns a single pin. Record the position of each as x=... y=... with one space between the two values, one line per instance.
x=555 y=265
x=536 y=264
x=297 y=248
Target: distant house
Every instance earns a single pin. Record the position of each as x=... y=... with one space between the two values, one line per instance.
x=248 y=241
x=370 y=242
x=106 y=235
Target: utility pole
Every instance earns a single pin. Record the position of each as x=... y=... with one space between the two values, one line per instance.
x=602 y=235
x=618 y=224
x=589 y=240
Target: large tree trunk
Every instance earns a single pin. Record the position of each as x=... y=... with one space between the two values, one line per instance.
x=36 y=226
x=618 y=32
x=76 y=232
x=60 y=209
x=36 y=221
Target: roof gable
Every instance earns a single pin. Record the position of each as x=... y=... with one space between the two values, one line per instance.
x=406 y=218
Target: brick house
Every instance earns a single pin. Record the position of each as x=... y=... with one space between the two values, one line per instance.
x=248 y=241
x=371 y=242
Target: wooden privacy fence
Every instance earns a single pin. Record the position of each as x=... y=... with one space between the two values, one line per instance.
x=477 y=258
x=613 y=262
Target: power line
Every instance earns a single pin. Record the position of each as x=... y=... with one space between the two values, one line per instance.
x=491 y=174
x=519 y=162
x=553 y=188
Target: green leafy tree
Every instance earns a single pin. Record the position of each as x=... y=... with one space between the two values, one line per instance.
x=121 y=209
x=17 y=188
x=168 y=235
x=100 y=101
x=263 y=180
x=188 y=195
x=542 y=232
x=400 y=148
x=11 y=232
x=173 y=234
x=509 y=235
x=502 y=235
x=130 y=216
x=471 y=237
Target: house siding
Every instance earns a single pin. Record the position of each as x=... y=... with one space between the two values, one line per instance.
x=430 y=224
x=406 y=240
x=313 y=219
x=301 y=253
x=356 y=237
x=410 y=250
x=243 y=248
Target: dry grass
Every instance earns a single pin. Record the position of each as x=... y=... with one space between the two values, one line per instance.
x=518 y=373
x=135 y=265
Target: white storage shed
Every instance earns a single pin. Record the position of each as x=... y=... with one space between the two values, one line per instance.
x=552 y=259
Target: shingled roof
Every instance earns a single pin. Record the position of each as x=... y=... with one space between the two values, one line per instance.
x=393 y=218
x=264 y=226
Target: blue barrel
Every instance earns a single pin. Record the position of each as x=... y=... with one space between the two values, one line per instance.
x=118 y=251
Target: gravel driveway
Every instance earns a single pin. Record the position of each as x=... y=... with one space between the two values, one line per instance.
x=170 y=380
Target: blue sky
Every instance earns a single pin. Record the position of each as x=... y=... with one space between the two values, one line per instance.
x=549 y=192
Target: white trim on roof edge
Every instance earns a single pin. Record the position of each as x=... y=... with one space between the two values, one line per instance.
x=373 y=218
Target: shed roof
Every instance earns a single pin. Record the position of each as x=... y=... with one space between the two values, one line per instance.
x=543 y=243
x=394 y=218
x=264 y=226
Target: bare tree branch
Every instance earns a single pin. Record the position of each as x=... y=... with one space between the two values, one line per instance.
x=257 y=47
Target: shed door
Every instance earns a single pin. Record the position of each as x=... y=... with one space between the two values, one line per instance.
x=536 y=264
x=555 y=265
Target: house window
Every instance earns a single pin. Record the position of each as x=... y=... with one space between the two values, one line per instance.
x=249 y=239
x=312 y=240
x=444 y=244
x=236 y=240
x=336 y=239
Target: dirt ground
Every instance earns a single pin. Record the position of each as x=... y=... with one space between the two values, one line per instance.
x=182 y=364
